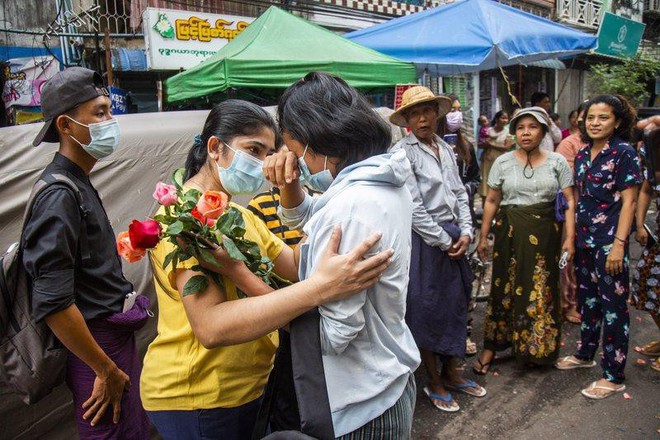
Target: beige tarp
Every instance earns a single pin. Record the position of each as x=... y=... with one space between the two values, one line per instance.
x=153 y=146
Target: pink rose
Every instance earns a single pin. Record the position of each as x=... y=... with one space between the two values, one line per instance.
x=165 y=194
x=212 y=204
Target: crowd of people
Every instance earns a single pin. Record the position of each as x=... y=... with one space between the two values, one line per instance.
x=373 y=238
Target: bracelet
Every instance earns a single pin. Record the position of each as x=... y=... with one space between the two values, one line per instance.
x=622 y=241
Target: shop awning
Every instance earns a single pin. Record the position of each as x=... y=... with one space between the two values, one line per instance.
x=473 y=35
x=278 y=49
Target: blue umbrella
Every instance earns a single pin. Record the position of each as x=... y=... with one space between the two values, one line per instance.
x=473 y=35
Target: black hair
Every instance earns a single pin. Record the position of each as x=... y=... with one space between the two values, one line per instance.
x=497 y=116
x=554 y=116
x=227 y=120
x=538 y=97
x=333 y=119
x=573 y=112
x=462 y=146
x=623 y=112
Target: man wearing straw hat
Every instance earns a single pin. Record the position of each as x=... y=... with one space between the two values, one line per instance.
x=440 y=278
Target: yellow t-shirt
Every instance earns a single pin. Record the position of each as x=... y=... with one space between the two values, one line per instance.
x=179 y=373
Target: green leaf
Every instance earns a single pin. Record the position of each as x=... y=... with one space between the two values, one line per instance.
x=207 y=257
x=196 y=284
x=175 y=228
x=177 y=178
x=169 y=258
x=228 y=219
x=232 y=250
x=164 y=219
x=192 y=195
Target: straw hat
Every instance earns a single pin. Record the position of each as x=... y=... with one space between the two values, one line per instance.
x=537 y=112
x=419 y=95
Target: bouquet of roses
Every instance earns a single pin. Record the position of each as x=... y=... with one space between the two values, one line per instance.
x=195 y=223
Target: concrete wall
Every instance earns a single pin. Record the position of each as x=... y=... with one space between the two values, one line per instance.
x=32 y=15
x=571 y=89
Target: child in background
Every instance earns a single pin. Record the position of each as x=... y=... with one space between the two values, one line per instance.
x=555 y=118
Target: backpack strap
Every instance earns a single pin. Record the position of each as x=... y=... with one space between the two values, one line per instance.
x=41 y=186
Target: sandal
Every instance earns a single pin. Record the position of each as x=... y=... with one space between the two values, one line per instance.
x=470 y=387
x=482 y=365
x=647 y=349
x=453 y=407
x=587 y=392
x=571 y=363
x=655 y=365
x=470 y=347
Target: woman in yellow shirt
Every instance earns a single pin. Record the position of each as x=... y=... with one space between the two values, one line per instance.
x=205 y=371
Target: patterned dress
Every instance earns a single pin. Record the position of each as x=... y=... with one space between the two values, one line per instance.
x=602 y=298
x=523 y=310
x=646 y=276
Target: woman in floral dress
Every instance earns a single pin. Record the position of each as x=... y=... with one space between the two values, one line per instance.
x=646 y=276
x=607 y=176
x=524 y=310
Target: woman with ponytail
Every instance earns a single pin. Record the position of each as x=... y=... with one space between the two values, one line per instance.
x=524 y=310
x=607 y=177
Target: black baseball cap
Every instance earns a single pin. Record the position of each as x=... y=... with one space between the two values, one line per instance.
x=64 y=91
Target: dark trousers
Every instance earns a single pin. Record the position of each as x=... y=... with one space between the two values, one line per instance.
x=207 y=424
x=602 y=302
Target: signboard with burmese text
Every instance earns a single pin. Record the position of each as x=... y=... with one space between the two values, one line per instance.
x=178 y=40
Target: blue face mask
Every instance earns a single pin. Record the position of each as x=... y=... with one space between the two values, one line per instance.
x=320 y=181
x=244 y=175
x=105 y=138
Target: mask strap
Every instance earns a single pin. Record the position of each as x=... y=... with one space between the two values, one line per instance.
x=325 y=163
x=529 y=163
x=79 y=123
x=77 y=141
x=304 y=152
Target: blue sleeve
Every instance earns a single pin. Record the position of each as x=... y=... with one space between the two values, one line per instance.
x=50 y=243
x=341 y=321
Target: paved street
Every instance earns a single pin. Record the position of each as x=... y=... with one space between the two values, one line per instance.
x=546 y=402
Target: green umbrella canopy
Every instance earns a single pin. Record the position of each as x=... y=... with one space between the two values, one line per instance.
x=277 y=50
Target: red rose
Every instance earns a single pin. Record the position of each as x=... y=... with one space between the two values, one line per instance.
x=205 y=220
x=144 y=235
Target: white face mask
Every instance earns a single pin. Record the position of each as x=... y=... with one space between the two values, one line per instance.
x=105 y=138
x=454 y=121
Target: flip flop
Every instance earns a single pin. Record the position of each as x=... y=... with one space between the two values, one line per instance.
x=480 y=371
x=587 y=392
x=573 y=363
x=655 y=365
x=469 y=388
x=447 y=399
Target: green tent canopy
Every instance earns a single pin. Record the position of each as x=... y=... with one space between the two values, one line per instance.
x=277 y=50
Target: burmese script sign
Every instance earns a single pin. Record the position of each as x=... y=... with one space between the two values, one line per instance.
x=182 y=39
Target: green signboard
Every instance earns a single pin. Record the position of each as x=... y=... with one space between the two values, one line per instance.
x=618 y=36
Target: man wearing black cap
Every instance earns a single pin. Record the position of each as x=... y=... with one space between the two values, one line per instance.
x=70 y=254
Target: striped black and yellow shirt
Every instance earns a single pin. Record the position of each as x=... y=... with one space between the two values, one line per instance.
x=264 y=206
